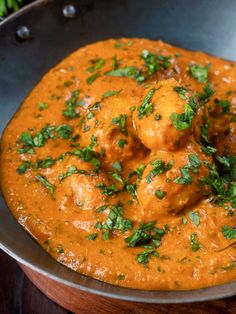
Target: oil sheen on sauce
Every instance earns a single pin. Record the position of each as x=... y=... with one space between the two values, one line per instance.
x=121 y=164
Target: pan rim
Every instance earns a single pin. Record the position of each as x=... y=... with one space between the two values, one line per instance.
x=178 y=296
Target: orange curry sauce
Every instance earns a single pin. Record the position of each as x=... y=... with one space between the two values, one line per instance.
x=121 y=162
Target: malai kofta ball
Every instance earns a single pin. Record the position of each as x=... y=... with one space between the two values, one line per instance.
x=156 y=117
x=171 y=181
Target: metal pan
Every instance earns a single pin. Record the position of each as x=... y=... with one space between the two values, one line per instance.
x=207 y=25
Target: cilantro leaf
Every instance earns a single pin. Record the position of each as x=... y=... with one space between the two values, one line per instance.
x=194 y=242
x=146 y=107
x=47 y=184
x=194 y=217
x=111 y=93
x=229 y=232
x=199 y=72
x=121 y=121
x=97 y=65
x=159 y=167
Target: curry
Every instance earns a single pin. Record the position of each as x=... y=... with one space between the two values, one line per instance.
x=121 y=163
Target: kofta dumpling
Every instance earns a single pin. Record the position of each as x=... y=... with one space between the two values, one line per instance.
x=153 y=117
x=170 y=182
x=110 y=129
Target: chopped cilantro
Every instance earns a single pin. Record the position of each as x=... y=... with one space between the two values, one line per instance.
x=64 y=131
x=92 y=78
x=97 y=64
x=42 y=105
x=205 y=96
x=121 y=121
x=229 y=232
x=115 y=63
x=121 y=277
x=154 y=62
x=184 y=120
x=157 y=117
x=159 y=167
x=70 y=112
x=144 y=257
x=101 y=209
x=121 y=143
x=181 y=91
x=111 y=93
x=209 y=150
x=116 y=221
x=92 y=236
x=89 y=155
x=147 y=233
x=129 y=72
x=117 y=166
x=160 y=194
x=146 y=107
x=194 y=217
x=107 y=190
x=24 y=167
x=72 y=170
x=224 y=104
x=47 y=184
x=194 y=242
x=199 y=72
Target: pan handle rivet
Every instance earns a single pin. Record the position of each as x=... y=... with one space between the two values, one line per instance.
x=69 y=11
x=23 y=32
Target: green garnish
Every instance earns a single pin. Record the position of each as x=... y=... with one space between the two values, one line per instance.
x=42 y=105
x=154 y=62
x=194 y=217
x=121 y=143
x=101 y=209
x=160 y=194
x=146 y=107
x=159 y=167
x=72 y=170
x=199 y=72
x=97 y=65
x=111 y=93
x=115 y=63
x=92 y=78
x=209 y=150
x=184 y=120
x=205 y=96
x=129 y=72
x=121 y=277
x=107 y=190
x=181 y=91
x=64 y=131
x=229 y=232
x=144 y=257
x=92 y=236
x=193 y=165
x=89 y=155
x=121 y=121
x=47 y=184
x=224 y=104
x=72 y=103
x=117 y=166
x=194 y=242
x=115 y=221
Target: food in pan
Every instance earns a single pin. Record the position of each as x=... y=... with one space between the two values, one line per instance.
x=121 y=164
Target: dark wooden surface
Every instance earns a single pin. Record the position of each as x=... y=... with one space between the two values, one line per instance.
x=19 y=296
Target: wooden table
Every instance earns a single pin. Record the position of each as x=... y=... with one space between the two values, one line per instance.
x=19 y=296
